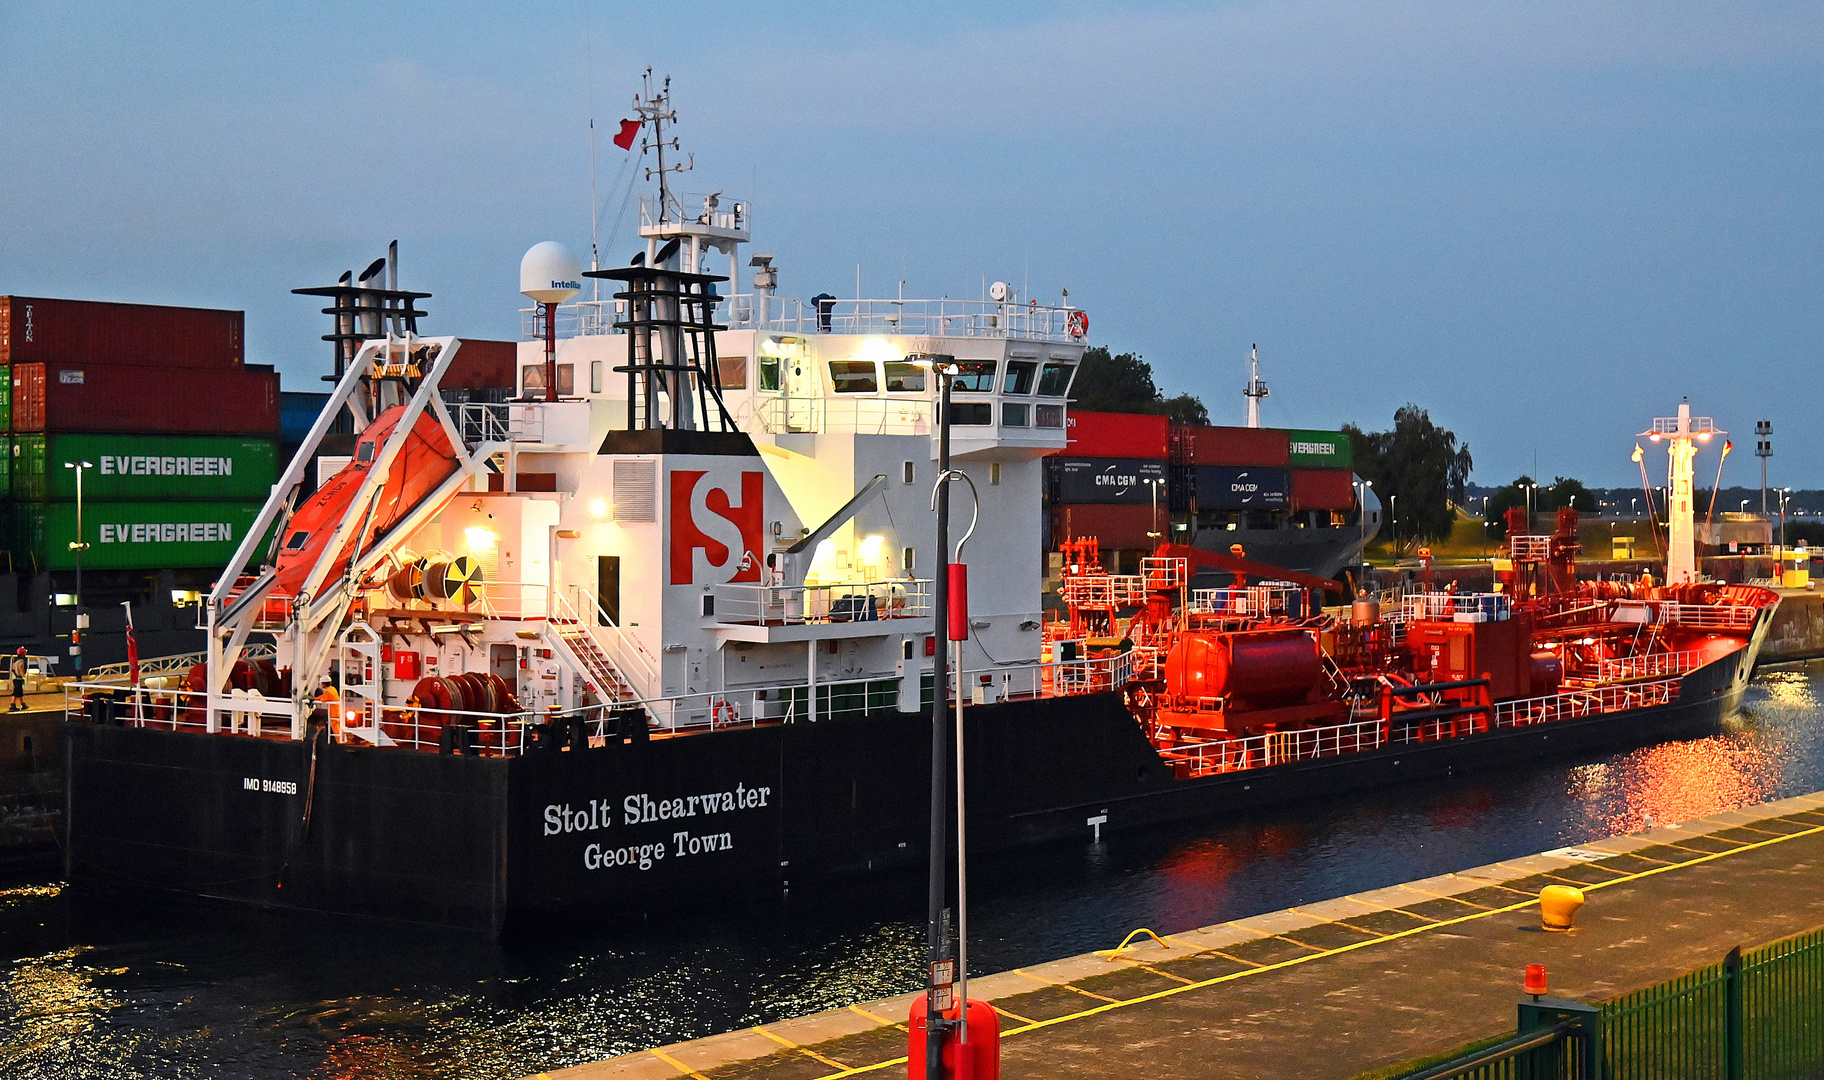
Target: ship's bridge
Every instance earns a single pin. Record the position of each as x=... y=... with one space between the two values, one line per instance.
x=789 y=368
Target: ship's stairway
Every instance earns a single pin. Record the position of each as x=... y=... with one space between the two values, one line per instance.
x=576 y=647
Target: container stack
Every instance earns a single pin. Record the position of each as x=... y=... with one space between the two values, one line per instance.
x=181 y=435
x=1257 y=477
x=1110 y=482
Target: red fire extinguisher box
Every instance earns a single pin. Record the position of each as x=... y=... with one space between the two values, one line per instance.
x=982 y=1061
x=405 y=665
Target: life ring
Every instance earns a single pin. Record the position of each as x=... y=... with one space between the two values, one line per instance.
x=1078 y=324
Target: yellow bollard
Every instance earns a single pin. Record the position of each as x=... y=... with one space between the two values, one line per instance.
x=1558 y=906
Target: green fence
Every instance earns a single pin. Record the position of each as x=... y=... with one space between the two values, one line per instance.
x=1757 y=1015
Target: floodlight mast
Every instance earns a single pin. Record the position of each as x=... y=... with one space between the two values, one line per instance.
x=1681 y=433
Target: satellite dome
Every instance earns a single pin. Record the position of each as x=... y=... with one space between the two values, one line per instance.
x=549 y=274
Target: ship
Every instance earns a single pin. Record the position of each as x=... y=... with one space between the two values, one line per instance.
x=662 y=631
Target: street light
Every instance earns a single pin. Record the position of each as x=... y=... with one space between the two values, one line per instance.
x=1393 y=502
x=1634 y=508
x=78 y=545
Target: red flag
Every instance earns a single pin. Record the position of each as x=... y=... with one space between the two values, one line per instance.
x=629 y=129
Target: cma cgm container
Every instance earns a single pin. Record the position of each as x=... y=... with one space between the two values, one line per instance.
x=144 y=400
x=1106 y=480
x=134 y=468
x=130 y=536
x=1109 y=435
x=1228 y=487
x=37 y=330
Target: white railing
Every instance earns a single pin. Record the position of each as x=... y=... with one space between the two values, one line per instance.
x=1104 y=590
x=1252 y=601
x=1274 y=748
x=1541 y=710
x=1710 y=616
x=509 y=734
x=845 y=415
x=1647 y=665
x=782 y=605
x=1492 y=607
x=924 y=318
x=636 y=666
x=1529 y=547
x=179 y=663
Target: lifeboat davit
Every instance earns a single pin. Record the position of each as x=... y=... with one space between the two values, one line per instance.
x=419 y=469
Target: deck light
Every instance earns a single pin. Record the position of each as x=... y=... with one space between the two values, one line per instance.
x=598 y=508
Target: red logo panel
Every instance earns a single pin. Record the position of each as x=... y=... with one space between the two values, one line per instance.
x=689 y=533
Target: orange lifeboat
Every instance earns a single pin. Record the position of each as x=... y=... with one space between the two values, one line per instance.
x=421 y=466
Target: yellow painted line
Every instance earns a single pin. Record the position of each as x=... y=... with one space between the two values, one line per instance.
x=876 y=1017
x=790 y=1045
x=1164 y=974
x=676 y=1064
x=1009 y=1015
x=1111 y=1005
x=1062 y=985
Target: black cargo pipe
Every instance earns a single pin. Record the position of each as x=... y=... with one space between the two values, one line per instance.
x=1438 y=714
x=1426 y=688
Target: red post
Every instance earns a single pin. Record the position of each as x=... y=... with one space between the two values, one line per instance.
x=550 y=352
x=979 y=1058
x=959 y=602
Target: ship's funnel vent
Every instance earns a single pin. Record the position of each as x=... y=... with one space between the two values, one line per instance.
x=672 y=376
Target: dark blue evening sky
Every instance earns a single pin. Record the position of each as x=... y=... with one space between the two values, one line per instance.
x=1543 y=221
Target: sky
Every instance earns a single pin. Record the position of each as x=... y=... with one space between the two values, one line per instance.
x=1543 y=222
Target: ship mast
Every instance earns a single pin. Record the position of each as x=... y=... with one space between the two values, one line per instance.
x=1255 y=390
x=655 y=109
x=1681 y=433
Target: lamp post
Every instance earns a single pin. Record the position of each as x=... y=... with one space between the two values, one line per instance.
x=943 y=368
x=1744 y=506
x=1784 y=493
x=1154 y=533
x=1393 y=508
x=78 y=545
x=1634 y=507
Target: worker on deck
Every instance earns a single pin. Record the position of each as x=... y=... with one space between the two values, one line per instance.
x=329 y=707
x=18 y=666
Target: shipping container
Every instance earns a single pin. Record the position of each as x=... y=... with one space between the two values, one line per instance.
x=135 y=468
x=37 y=330
x=1233 y=446
x=1115 y=435
x=297 y=412
x=1228 y=487
x=1113 y=526
x=1323 y=489
x=1107 y=480
x=130 y=536
x=1320 y=450
x=6 y=398
x=483 y=365
x=144 y=400
x=6 y=462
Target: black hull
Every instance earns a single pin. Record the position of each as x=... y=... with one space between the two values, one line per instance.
x=488 y=843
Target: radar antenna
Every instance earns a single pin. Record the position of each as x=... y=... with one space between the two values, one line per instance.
x=1255 y=390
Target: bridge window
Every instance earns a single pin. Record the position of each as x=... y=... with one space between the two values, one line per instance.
x=1019 y=377
x=853 y=377
x=977 y=377
x=769 y=373
x=978 y=413
x=1050 y=416
x=1014 y=415
x=905 y=378
x=1055 y=379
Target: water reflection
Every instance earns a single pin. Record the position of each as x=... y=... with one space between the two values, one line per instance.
x=100 y=991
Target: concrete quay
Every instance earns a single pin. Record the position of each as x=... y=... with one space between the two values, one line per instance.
x=1338 y=988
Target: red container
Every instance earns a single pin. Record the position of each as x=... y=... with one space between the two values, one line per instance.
x=145 y=400
x=982 y=1061
x=1237 y=445
x=1114 y=526
x=1115 y=435
x=36 y=330
x=1323 y=489
x=483 y=365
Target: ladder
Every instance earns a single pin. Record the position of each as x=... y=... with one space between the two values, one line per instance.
x=578 y=649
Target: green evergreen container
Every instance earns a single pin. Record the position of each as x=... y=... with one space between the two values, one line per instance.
x=130 y=535
x=136 y=468
x=6 y=397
